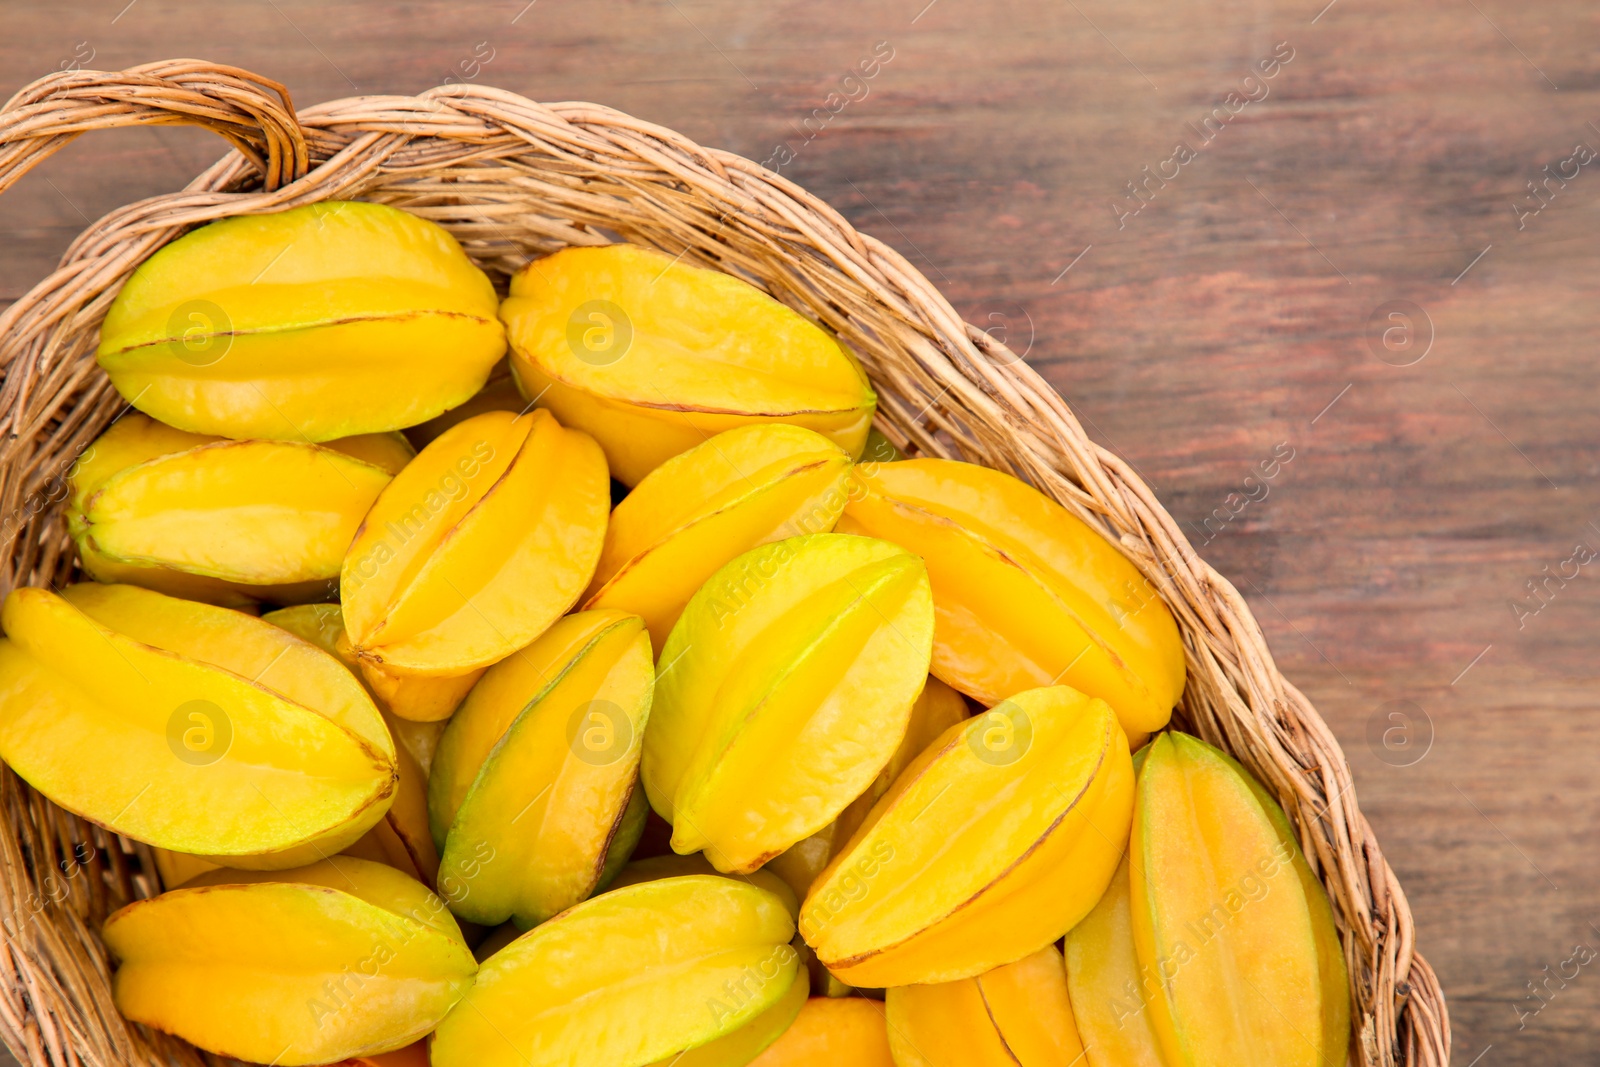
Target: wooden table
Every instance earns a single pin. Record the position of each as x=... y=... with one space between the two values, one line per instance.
x=1233 y=307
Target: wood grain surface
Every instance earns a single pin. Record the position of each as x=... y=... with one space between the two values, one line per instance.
x=1347 y=314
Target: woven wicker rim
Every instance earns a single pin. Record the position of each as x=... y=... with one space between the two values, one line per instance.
x=511 y=179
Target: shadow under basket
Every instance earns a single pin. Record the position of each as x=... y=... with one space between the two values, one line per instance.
x=513 y=179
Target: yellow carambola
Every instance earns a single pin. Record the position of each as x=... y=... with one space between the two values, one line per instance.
x=498 y=394
x=847 y=1032
x=401 y=839
x=739 y=1047
x=318 y=322
x=1109 y=986
x=420 y=700
x=223 y=521
x=1026 y=594
x=473 y=550
x=652 y=356
x=937 y=709
x=1239 y=958
x=210 y=732
x=1107 y=983
x=627 y=978
x=177 y=868
x=1017 y=1015
x=785 y=687
x=673 y=865
x=700 y=509
x=994 y=842
x=323 y=626
x=339 y=959
x=533 y=777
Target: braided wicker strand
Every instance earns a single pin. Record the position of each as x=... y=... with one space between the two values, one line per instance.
x=511 y=179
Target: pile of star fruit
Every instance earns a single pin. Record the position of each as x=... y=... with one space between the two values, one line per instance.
x=627 y=702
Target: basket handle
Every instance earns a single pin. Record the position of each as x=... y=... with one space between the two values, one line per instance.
x=253 y=113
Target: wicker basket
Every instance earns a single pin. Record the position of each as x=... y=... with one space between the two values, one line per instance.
x=513 y=179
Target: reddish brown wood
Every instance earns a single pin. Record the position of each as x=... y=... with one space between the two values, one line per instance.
x=1219 y=322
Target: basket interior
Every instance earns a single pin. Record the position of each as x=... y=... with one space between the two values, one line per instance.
x=945 y=389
